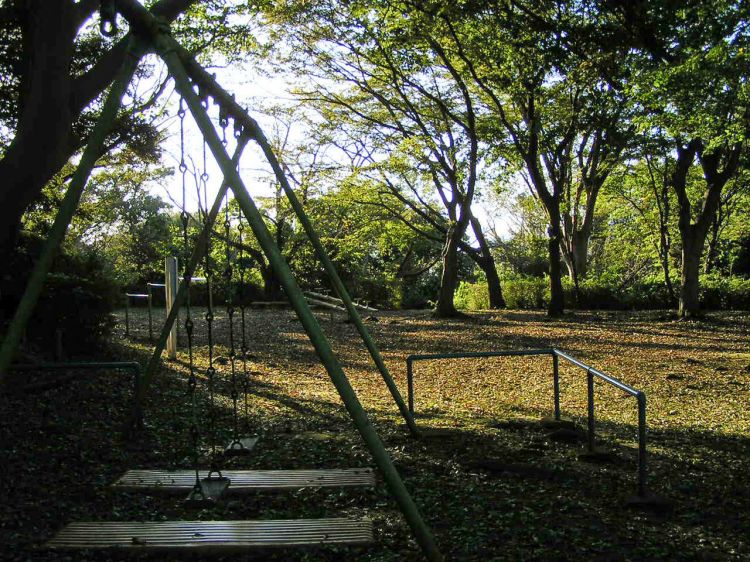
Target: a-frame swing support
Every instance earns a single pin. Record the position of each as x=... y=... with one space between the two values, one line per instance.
x=69 y=205
x=165 y=46
x=145 y=23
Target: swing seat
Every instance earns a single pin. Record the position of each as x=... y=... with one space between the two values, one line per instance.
x=180 y=481
x=216 y=536
x=240 y=447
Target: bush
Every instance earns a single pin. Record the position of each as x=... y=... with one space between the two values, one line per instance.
x=725 y=293
x=472 y=296
x=522 y=292
x=78 y=298
x=526 y=292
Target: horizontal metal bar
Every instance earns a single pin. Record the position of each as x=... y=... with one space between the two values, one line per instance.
x=132 y=365
x=155 y=285
x=137 y=295
x=611 y=380
x=471 y=354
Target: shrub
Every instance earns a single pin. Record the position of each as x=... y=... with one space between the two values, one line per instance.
x=78 y=298
x=472 y=296
x=526 y=292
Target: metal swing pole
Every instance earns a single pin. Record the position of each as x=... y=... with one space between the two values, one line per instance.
x=153 y=364
x=69 y=205
x=409 y=509
x=250 y=126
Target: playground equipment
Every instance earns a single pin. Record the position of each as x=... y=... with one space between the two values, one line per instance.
x=151 y=35
x=170 y=289
x=643 y=496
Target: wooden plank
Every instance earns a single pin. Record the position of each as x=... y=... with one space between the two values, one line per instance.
x=248 y=480
x=212 y=535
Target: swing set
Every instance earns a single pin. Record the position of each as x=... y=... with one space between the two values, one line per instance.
x=196 y=87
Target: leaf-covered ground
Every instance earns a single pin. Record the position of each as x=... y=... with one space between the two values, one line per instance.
x=494 y=487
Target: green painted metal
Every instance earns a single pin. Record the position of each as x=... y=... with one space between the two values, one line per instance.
x=251 y=127
x=153 y=364
x=166 y=46
x=68 y=206
x=87 y=365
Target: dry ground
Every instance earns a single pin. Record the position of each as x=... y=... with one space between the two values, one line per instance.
x=494 y=488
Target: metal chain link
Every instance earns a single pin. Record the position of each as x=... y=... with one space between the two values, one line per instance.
x=230 y=315
x=243 y=305
x=197 y=492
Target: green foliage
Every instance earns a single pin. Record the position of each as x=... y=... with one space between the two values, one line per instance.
x=78 y=298
x=472 y=296
x=525 y=292
x=725 y=293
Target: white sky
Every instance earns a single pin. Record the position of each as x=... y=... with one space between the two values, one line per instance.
x=254 y=91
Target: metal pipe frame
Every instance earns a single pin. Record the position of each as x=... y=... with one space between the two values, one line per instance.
x=591 y=373
x=144 y=21
x=393 y=480
x=129 y=296
x=88 y=365
x=69 y=204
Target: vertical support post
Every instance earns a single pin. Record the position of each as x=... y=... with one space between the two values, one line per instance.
x=171 y=276
x=410 y=383
x=91 y=153
x=642 y=467
x=556 y=383
x=127 y=316
x=150 y=313
x=296 y=298
x=590 y=384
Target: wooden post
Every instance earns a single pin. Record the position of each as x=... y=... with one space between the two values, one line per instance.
x=170 y=288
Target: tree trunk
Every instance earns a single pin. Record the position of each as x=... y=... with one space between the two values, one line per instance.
x=557 y=297
x=42 y=140
x=271 y=284
x=712 y=252
x=579 y=251
x=692 y=248
x=445 y=308
x=486 y=263
x=51 y=99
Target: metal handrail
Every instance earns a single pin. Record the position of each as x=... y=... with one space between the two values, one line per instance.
x=639 y=395
x=133 y=366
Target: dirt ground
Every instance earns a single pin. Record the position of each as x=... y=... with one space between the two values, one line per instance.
x=494 y=485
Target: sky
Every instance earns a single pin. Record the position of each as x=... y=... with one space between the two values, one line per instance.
x=253 y=91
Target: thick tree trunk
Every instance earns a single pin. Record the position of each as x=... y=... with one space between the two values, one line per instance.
x=271 y=284
x=689 y=284
x=445 y=308
x=42 y=141
x=579 y=255
x=51 y=100
x=557 y=297
x=486 y=263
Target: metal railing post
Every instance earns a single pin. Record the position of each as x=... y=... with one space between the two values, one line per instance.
x=590 y=385
x=150 y=315
x=641 y=397
x=556 y=383
x=127 y=316
x=410 y=383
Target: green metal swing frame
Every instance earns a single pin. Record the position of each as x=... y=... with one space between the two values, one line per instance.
x=148 y=33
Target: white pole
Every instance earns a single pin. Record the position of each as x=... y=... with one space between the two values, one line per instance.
x=170 y=282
